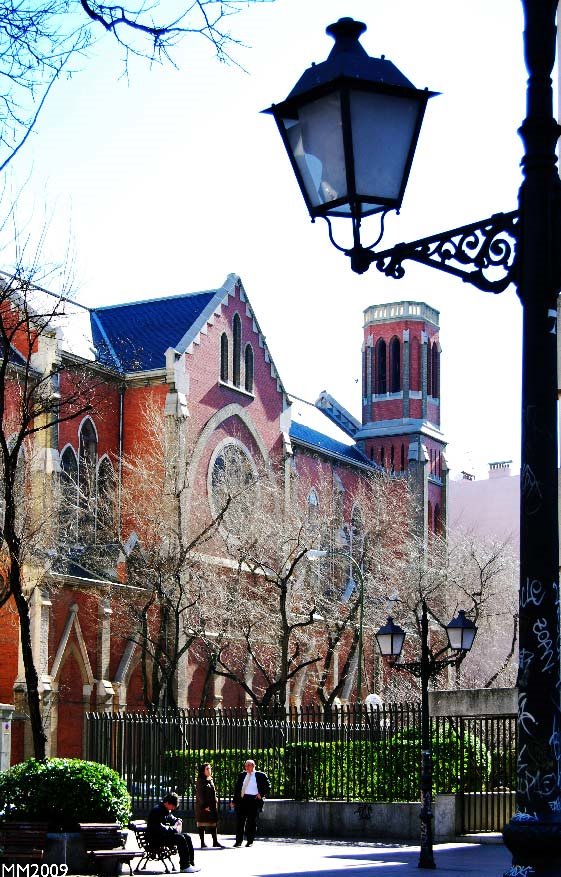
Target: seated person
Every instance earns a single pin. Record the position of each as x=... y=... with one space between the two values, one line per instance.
x=162 y=827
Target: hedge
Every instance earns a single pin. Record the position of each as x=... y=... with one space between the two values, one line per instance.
x=357 y=770
x=181 y=767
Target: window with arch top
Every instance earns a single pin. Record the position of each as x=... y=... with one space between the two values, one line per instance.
x=224 y=357
x=381 y=374
x=395 y=366
x=237 y=350
x=68 y=493
x=248 y=362
x=105 y=501
x=435 y=372
x=87 y=462
x=429 y=368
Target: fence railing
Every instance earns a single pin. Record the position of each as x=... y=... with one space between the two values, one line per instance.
x=352 y=753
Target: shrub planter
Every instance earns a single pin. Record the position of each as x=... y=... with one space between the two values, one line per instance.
x=67 y=848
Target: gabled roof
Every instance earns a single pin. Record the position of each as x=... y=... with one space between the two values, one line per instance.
x=312 y=428
x=326 y=445
x=135 y=336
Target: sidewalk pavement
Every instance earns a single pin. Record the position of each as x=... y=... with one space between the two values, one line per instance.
x=277 y=857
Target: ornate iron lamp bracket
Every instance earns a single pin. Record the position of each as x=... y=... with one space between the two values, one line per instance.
x=482 y=253
x=435 y=666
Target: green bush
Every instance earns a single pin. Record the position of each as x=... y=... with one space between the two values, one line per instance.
x=64 y=792
x=384 y=770
x=459 y=762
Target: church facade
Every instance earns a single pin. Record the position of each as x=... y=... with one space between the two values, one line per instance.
x=201 y=360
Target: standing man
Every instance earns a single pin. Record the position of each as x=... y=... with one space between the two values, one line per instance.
x=249 y=791
x=162 y=827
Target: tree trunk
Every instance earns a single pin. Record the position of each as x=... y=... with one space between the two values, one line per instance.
x=31 y=677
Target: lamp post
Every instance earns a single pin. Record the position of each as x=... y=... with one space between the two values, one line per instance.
x=461 y=633
x=315 y=554
x=329 y=129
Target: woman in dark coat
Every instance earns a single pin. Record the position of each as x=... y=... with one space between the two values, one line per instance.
x=206 y=805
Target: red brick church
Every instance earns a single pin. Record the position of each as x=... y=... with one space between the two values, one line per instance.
x=202 y=359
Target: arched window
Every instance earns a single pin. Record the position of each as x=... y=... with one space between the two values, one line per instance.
x=68 y=515
x=415 y=365
x=435 y=371
x=87 y=463
x=403 y=458
x=381 y=375
x=437 y=521
x=429 y=368
x=430 y=522
x=392 y=458
x=382 y=457
x=237 y=351
x=395 y=366
x=233 y=486
x=223 y=357
x=313 y=509
x=105 y=501
x=248 y=357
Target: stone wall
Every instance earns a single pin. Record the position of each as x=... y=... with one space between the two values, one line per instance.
x=474 y=702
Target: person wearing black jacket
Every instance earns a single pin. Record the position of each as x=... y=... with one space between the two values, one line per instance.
x=162 y=827
x=250 y=789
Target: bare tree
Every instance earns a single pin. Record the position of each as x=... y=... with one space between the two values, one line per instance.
x=38 y=390
x=287 y=618
x=171 y=583
x=39 y=41
x=360 y=565
x=485 y=575
x=465 y=573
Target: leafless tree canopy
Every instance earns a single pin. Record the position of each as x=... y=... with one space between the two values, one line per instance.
x=40 y=41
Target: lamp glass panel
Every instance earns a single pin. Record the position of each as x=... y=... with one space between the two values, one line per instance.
x=316 y=142
x=390 y=643
x=383 y=128
x=461 y=637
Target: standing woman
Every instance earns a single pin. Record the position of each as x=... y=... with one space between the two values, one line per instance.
x=206 y=805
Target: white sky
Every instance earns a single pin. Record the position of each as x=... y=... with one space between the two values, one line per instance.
x=166 y=182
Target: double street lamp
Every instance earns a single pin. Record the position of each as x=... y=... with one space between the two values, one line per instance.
x=461 y=633
x=350 y=127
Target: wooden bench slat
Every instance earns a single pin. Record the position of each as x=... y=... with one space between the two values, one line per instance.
x=106 y=841
x=23 y=841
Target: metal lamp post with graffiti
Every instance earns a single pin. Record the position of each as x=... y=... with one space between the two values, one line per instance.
x=461 y=633
x=350 y=127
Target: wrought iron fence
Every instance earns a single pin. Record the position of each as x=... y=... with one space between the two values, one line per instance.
x=352 y=753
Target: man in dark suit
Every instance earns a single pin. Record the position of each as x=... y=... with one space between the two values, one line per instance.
x=249 y=791
x=162 y=827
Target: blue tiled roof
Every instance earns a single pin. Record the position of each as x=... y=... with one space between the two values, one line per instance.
x=134 y=337
x=327 y=445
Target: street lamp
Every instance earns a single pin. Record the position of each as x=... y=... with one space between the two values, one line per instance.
x=461 y=634
x=521 y=247
x=350 y=127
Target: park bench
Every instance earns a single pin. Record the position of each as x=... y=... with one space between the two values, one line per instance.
x=104 y=843
x=151 y=851
x=22 y=842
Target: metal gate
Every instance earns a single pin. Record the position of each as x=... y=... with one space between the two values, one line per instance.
x=488 y=772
